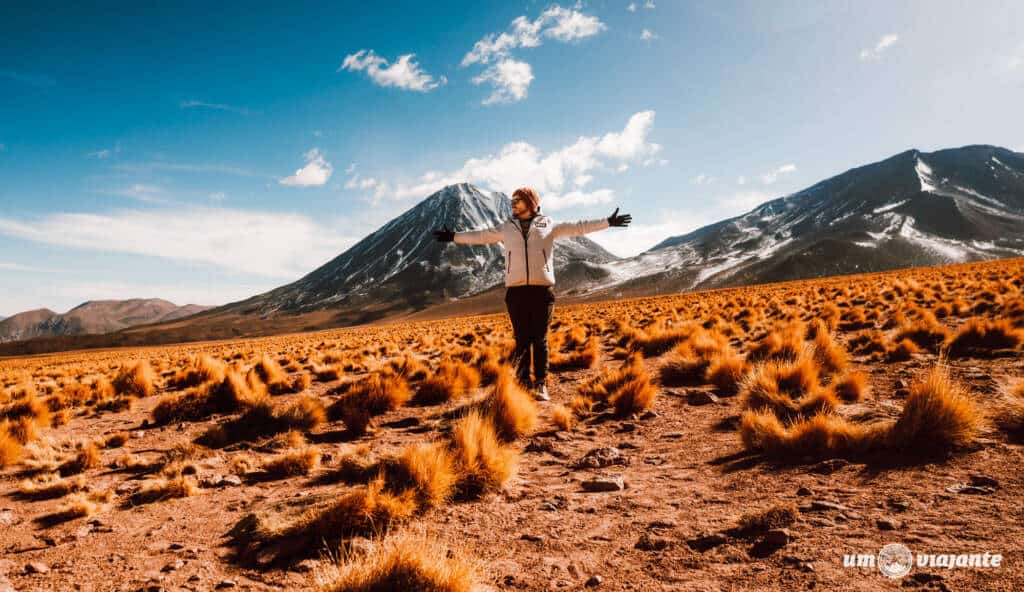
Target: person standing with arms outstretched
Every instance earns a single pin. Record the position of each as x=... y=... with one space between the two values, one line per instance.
x=530 y=274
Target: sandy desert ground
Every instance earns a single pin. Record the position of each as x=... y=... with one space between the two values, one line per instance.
x=738 y=439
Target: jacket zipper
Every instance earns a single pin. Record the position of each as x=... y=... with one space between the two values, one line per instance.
x=508 y=262
x=526 y=249
x=545 y=258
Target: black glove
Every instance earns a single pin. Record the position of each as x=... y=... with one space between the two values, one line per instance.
x=616 y=220
x=444 y=236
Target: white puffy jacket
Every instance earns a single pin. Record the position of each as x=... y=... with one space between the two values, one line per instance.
x=528 y=261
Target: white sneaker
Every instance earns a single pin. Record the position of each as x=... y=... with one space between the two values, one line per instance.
x=541 y=394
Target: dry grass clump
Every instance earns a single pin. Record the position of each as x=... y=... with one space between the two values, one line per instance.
x=428 y=468
x=937 y=416
x=777 y=516
x=278 y=383
x=50 y=486
x=783 y=343
x=401 y=563
x=453 y=380
x=135 y=380
x=602 y=387
x=562 y=417
x=292 y=464
x=1009 y=415
x=116 y=440
x=157 y=490
x=483 y=462
x=925 y=331
x=11 y=448
x=828 y=353
x=634 y=396
x=789 y=389
x=725 y=370
x=364 y=511
x=265 y=419
x=230 y=395
x=378 y=393
x=87 y=456
x=656 y=341
x=78 y=505
x=979 y=337
x=200 y=369
x=822 y=436
x=900 y=352
x=578 y=357
x=851 y=387
x=511 y=409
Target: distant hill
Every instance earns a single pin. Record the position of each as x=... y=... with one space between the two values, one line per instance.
x=92 y=317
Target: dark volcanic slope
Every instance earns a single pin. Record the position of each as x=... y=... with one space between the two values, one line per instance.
x=401 y=266
x=912 y=209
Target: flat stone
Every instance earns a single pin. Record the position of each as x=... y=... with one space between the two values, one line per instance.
x=37 y=567
x=703 y=542
x=824 y=505
x=649 y=542
x=231 y=480
x=698 y=398
x=827 y=467
x=984 y=481
x=602 y=457
x=970 y=489
x=221 y=585
x=593 y=581
x=888 y=524
x=804 y=492
x=778 y=537
x=533 y=538
x=175 y=566
x=605 y=483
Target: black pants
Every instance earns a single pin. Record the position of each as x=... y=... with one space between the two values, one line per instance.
x=529 y=308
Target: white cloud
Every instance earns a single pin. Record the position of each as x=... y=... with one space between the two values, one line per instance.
x=702 y=179
x=569 y=25
x=511 y=80
x=218 y=196
x=647 y=35
x=562 y=24
x=316 y=172
x=357 y=183
x=101 y=154
x=561 y=176
x=631 y=7
x=269 y=244
x=874 y=53
x=142 y=192
x=8 y=266
x=218 y=106
x=741 y=180
x=403 y=73
x=773 y=176
x=649 y=4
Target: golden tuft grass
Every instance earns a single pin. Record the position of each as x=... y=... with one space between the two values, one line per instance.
x=428 y=468
x=230 y=395
x=11 y=448
x=828 y=353
x=1008 y=414
x=822 y=436
x=135 y=380
x=511 y=409
x=937 y=416
x=453 y=380
x=483 y=463
x=851 y=387
x=87 y=456
x=979 y=337
x=789 y=389
x=636 y=395
x=50 y=486
x=562 y=417
x=292 y=464
x=200 y=369
x=579 y=357
x=777 y=516
x=401 y=563
x=157 y=490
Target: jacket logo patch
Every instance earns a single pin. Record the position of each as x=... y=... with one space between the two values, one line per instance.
x=541 y=224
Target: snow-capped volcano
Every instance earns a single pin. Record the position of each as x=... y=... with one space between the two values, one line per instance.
x=401 y=265
x=915 y=208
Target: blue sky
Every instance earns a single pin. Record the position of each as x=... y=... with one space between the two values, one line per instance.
x=207 y=154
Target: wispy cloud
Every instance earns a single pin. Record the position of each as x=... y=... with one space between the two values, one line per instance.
x=145 y=167
x=773 y=176
x=143 y=192
x=561 y=24
x=8 y=266
x=404 y=73
x=647 y=35
x=192 y=104
x=269 y=244
x=510 y=79
x=874 y=53
x=218 y=196
x=28 y=78
x=563 y=176
x=316 y=172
